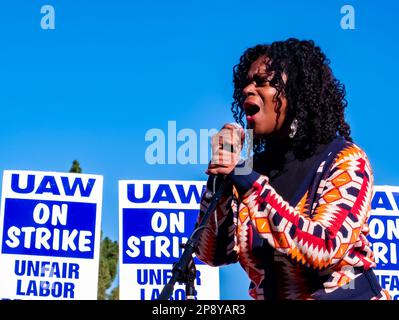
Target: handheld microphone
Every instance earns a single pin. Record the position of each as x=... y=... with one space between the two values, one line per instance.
x=237 y=126
x=219 y=183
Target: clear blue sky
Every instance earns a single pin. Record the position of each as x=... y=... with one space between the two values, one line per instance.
x=111 y=70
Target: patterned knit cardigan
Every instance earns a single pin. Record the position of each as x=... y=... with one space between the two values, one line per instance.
x=318 y=238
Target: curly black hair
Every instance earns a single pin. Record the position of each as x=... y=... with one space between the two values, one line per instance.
x=314 y=96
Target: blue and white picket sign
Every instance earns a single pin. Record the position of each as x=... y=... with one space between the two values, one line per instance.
x=50 y=235
x=155 y=217
x=384 y=236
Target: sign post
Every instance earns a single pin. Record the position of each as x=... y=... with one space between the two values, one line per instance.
x=50 y=235
x=155 y=218
x=384 y=236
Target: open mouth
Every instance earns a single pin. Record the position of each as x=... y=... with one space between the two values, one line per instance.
x=251 y=108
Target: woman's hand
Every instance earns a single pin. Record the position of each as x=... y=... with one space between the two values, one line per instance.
x=226 y=149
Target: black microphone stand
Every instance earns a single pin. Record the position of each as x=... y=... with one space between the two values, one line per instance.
x=184 y=270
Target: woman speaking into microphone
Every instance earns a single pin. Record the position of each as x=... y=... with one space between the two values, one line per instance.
x=296 y=221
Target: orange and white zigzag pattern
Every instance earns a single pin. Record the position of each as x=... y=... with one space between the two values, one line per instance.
x=328 y=237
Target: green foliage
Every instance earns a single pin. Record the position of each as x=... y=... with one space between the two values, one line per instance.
x=108 y=269
x=114 y=294
x=75 y=167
